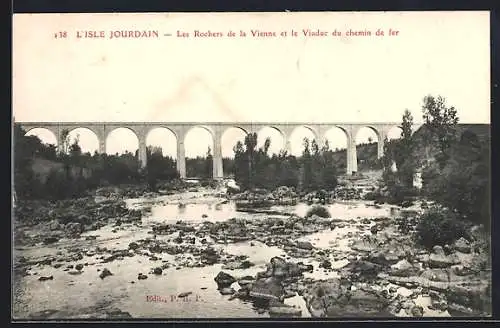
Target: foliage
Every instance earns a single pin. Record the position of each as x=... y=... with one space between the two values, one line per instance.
x=439 y=226
x=319 y=211
x=463 y=183
x=440 y=121
x=159 y=167
x=255 y=168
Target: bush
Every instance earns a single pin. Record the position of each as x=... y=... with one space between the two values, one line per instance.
x=319 y=211
x=439 y=226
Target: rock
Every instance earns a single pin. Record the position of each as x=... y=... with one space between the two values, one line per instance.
x=334 y=298
x=105 y=272
x=157 y=271
x=474 y=294
x=404 y=269
x=284 y=312
x=326 y=264
x=54 y=225
x=462 y=270
x=279 y=267
x=44 y=278
x=441 y=261
x=224 y=280
x=438 y=250
x=50 y=240
x=74 y=273
x=209 y=256
x=79 y=266
x=383 y=258
x=227 y=291
x=142 y=276
x=361 y=269
x=74 y=228
x=436 y=275
x=417 y=311
x=267 y=289
x=246 y=282
x=304 y=245
x=133 y=246
x=462 y=245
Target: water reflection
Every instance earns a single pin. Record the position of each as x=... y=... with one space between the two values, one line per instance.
x=222 y=211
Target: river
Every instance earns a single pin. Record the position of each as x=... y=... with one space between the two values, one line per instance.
x=84 y=295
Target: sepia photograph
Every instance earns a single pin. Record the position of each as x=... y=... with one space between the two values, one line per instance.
x=316 y=165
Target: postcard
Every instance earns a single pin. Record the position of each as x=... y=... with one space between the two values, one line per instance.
x=185 y=166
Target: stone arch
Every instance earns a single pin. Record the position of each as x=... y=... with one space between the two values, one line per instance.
x=234 y=127
x=121 y=128
x=86 y=140
x=226 y=144
x=167 y=149
x=296 y=143
x=377 y=132
x=229 y=137
x=333 y=141
x=29 y=132
x=393 y=132
x=196 y=167
x=367 y=154
x=275 y=147
x=204 y=127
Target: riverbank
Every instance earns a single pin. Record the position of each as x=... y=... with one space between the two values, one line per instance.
x=200 y=255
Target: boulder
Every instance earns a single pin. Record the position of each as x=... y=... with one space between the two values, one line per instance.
x=462 y=245
x=334 y=298
x=50 y=240
x=267 y=289
x=305 y=245
x=224 y=280
x=105 y=272
x=436 y=275
x=441 y=261
x=404 y=269
x=226 y=291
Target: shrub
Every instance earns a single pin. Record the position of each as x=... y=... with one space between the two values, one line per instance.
x=319 y=211
x=439 y=226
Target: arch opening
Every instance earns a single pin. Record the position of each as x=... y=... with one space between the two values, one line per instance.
x=367 y=149
x=337 y=142
x=85 y=138
x=122 y=141
x=229 y=139
x=276 y=138
x=297 y=139
x=162 y=140
x=337 y=139
x=46 y=136
x=199 y=150
x=394 y=133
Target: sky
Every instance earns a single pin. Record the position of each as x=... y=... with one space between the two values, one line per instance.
x=273 y=79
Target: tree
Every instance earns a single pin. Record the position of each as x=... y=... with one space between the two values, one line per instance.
x=209 y=164
x=404 y=155
x=65 y=141
x=440 y=121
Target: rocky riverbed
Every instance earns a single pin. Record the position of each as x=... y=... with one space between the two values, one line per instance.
x=197 y=253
